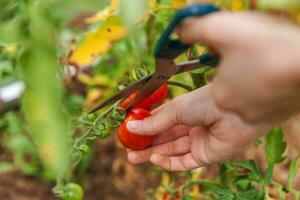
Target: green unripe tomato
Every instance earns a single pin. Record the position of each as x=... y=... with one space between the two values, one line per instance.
x=84 y=149
x=72 y=191
x=89 y=116
x=103 y=131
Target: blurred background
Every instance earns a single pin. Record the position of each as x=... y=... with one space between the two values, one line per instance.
x=59 y=59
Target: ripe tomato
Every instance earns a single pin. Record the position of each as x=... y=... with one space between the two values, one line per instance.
x=154 y=98
x=129 y=140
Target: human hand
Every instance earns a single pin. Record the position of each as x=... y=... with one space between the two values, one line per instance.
x=258 y=76
x=193 y=132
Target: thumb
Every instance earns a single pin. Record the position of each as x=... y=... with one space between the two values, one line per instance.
x=160 y=121
x=191 y=109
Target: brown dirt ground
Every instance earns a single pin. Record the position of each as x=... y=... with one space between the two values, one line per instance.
x=110 y=177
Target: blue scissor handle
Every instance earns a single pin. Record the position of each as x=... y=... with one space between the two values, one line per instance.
x=168 y=48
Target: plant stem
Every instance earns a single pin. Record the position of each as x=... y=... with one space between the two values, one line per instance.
x=180 y=84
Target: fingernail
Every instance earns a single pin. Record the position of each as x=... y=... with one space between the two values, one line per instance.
x=134 y=125
x=131 y=156
x=156 y=158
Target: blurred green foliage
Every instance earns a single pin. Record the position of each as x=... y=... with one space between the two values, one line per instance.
x=35 y=37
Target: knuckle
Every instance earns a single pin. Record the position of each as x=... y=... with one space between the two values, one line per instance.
x=226 y=99
x=221 y=99
x=150 y=124
x=169 y=165
x=174 y=146
x=249 y=116
x=183 y=162
x=204 y=157
x=175 y=110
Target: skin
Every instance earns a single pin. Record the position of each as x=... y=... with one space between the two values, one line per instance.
x=256 y=87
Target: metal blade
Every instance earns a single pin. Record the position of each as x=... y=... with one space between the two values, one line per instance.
x=195 y=64
x=165 y=68
x=188 y=66
x=124 y=93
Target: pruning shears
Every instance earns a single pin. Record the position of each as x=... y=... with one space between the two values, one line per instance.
x=166 y=51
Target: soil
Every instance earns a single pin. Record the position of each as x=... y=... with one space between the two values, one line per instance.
x=109 y=177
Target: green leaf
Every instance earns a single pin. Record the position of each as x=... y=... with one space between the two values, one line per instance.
x=250 y=195
x=280 y=191
x=268 y=174
x=208 y=186
x=257 y=143
x=243 y=182
x=275 y=146
x=224 y=194
x=253 y=171
x=186 y=197
x=292 y=172
x=226 y=174
x=247 y=164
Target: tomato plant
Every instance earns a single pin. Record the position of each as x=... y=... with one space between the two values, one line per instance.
x=65 y=63
x=130 y=140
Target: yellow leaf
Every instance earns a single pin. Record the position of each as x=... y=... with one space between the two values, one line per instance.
x=93 y=97
x=297 y=15
x=178 y=3
x=11 y=48
x=236 y=5
x=201 y=49
x=285 y=5
x=196 y=175
x=104 y=14
x=98 y=42
x=101 y=80
x=165 y=179
x=152 y=4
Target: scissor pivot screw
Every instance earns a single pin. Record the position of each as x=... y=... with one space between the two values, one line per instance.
x=161 y=77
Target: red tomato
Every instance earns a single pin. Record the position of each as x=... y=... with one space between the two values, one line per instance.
x=127 y=101
x=166 y=196
x=155 y=98
x=129 y=140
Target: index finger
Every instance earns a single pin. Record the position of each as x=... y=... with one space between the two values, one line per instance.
x=205 y=30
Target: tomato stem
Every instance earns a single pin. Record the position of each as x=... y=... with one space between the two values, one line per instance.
x=180 y=84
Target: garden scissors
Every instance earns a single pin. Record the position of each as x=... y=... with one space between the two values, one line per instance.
x=166 y=51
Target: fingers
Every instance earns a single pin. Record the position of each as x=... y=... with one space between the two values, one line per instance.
x=211 y=29
x=160 y=121
x=176 y=147
x=159 y=108
x=172 y=134
x=191 y=109
x=175 y=163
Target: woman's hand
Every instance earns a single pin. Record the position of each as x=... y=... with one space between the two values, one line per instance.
x=257 y=86
x=193 y=132
x=259 y=73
